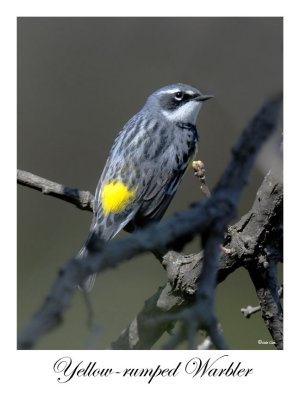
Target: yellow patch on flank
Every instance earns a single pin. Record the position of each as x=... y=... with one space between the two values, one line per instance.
x=116 y=196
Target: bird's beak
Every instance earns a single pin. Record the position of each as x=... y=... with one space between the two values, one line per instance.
x=203 y=97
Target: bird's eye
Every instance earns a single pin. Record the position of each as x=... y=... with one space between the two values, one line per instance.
x=179 y=96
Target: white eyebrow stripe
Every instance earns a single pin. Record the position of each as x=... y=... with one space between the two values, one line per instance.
x=171 y=91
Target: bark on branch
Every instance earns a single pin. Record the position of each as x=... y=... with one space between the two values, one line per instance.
x=80 y=198
x=185 y=271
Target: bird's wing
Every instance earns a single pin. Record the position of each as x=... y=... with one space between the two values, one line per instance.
x=160 y=187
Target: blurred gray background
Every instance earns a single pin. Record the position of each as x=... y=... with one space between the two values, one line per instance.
x=79 y=81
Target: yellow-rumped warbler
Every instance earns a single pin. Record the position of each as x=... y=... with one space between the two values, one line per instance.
x=146 y=164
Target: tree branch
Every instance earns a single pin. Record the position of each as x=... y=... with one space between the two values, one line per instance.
x=80 y=198
x=185 y=271
x=199 y=172
x=250 y=310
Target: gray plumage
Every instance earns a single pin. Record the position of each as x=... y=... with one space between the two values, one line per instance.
x=150 y=156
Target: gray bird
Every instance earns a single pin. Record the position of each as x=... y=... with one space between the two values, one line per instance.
x=145 y=165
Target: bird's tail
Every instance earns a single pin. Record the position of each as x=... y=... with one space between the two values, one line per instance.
x=95 y=242
x=100 y=234
x=87 y=284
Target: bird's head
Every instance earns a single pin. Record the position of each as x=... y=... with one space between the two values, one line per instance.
x=177 y=103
